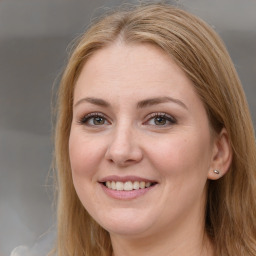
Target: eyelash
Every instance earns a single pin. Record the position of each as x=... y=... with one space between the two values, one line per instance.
x=164 y=116
x=85 y=119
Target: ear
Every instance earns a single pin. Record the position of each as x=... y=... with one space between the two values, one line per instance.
x=222 y=156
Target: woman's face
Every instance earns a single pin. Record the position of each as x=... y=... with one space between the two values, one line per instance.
x=140 y=143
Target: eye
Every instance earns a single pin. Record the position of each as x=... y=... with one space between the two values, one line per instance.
x=160 y=119
x=94 y=119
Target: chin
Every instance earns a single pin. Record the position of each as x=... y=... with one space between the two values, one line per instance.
x=130 y=230
x=125 y=224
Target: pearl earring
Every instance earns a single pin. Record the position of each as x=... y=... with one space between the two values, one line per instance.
x=216 y=171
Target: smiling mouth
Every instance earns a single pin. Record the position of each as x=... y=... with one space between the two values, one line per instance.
x=128 y=185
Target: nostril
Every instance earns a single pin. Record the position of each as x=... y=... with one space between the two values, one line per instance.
x=124 y=159
x=123 y=149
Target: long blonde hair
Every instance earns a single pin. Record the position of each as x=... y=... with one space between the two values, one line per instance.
x=195 y=47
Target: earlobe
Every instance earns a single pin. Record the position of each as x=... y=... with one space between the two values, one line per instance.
x=222 y=156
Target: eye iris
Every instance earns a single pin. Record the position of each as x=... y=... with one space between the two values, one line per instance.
x=160 y=120
x=98 y=120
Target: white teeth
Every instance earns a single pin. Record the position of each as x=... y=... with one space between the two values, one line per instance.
x=142 y=184
x=128 y=185
x=113 y=185
x=136 y=185
x=119 y=185
x=147 y=184
x=108 y=184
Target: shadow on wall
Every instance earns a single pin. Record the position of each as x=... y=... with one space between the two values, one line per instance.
x=42 y=247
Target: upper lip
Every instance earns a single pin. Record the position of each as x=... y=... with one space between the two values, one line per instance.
x=125 y=178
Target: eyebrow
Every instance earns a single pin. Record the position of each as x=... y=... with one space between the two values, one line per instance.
x=159 y=100
x=140 y=104
x=95 y=101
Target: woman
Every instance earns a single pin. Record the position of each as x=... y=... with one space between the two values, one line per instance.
x=155 y=147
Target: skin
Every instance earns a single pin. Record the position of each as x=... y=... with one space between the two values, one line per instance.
x=127 y=140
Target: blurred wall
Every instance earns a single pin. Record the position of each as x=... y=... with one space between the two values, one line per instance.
x=34 y=36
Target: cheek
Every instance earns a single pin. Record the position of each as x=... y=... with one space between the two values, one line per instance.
x=183 y=164
x=181 y=155
x=85 y=154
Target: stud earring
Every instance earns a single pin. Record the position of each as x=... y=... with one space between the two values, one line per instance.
x=216 y=171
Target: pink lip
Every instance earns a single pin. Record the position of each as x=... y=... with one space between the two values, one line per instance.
x=124 y=179
x=126 y=195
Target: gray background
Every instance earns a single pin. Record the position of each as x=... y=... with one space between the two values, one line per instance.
x=34 y=35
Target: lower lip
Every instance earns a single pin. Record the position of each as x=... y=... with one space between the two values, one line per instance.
x=125 y=195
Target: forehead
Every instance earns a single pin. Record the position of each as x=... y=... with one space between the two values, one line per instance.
x=132 y=70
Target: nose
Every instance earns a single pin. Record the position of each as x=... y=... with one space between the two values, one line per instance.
x=123 y=149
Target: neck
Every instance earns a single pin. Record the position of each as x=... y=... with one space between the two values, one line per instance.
x=186 y=237
x=190 y=245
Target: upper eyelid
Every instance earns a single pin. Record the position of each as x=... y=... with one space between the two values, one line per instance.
x=162 y=114
x=91 y=115
x=148 y=116
x=169 y=118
